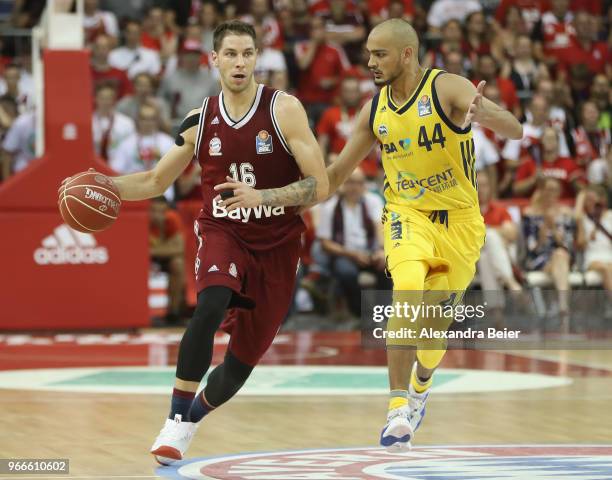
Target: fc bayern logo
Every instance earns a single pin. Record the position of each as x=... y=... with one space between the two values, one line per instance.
x=514 y=462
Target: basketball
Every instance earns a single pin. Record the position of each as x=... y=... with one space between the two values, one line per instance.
x=89 y=202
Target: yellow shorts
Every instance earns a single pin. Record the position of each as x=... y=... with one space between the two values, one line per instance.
x=449 y=243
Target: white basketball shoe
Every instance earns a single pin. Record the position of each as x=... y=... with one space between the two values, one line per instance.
x=398 y=431
x=173 y=440
x=416 y=401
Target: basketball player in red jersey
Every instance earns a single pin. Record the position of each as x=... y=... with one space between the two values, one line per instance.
x=259 y=162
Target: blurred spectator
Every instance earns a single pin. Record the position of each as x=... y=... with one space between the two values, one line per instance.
x=208 y=20
x=337 y=123
x=592 y=144
x=559 y=100
x=487 y=69
x=98 y=22
x=19 y=144
x=109 y=127
x=269 y=60
x=583 y=48
x=507 y=31
x=189 y=182
x=260 y=15
x=550 y=231
x=190 y=83
x=167 y=249
x=141 y=150
x=192 y=39
x=17 y=86
x=127 y=9
x=487 y=157
x=157 y=36
x=133 y=58
x=592 y=210
x=477 y=39
x=322 y=65
x=362 y=73
x=379 y=10
x=144 y=93
x=549 y=164
x=345 y=27
x=454 y=63
x=524 y=71
x=600 y=94
x=452 y=41
x=103 y=72
x=350 y=232
x=538 y=112
x=495 y=264
x=554 y=33
x=27 y=13
x=530 y=12
x=442 y=11
x=8 y=114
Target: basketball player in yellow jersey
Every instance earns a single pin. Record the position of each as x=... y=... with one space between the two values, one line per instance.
x=432 y=223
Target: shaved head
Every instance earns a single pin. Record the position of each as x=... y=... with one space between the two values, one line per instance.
x=394 y=49
x=398 y=33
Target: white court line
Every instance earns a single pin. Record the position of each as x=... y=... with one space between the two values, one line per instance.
x=38 y=477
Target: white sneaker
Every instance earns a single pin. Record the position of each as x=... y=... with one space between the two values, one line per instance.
x=173 y=440
x=398 y=431
x=416 y=402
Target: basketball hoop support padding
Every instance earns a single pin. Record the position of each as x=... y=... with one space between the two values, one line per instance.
x=51 y=278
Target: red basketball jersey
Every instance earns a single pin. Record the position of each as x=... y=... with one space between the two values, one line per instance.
x=252 y=150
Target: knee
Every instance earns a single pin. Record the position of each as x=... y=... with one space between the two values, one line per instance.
x=430 y=359
x=212 y=304
x=345 y=268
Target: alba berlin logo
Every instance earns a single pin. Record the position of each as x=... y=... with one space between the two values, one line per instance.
x=69 y=247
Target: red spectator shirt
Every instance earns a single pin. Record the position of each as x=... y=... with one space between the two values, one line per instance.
x=172 y=226
x=380 y=8
x=496 y=215
x=531 y=10
x=563 y=169
x=590 y=146
x=118 y=78
x=595 y=57
x=557 y=36
x=329 y=61
x=338 y=124
x=147 y=41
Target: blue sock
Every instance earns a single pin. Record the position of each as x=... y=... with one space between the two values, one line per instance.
x=199 y=408
x=181 y=401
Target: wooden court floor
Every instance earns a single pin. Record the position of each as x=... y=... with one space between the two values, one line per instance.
x=107 y=435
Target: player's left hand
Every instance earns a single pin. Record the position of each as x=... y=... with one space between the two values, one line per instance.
x=244 y=196
x=476 y=110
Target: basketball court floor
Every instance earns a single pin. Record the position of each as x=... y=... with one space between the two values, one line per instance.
x=312 y=410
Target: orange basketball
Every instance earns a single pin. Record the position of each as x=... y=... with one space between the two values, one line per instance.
x=89 y=202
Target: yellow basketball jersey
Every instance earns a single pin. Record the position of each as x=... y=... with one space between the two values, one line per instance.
x=428 y=161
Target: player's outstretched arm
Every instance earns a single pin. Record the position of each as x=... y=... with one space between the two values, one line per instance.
x=312 y=188
x=358 y=146
x=153 y=183
x=475 y=107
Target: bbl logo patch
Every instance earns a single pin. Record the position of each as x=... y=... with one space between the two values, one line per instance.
x=214 y=147
x=495 y=462
x=424 y=106
x=263 y=143
x=382 y=130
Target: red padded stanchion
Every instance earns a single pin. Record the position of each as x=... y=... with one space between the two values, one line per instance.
x=51 y=276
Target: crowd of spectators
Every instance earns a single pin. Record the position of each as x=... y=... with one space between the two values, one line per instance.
x=547 y=61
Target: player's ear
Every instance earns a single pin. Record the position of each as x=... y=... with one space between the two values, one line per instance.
x=215 y=59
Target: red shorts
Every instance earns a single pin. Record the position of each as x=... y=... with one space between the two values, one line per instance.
x=263 y=284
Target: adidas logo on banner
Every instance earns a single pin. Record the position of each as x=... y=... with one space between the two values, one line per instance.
x=215 y=121
x=69 y=247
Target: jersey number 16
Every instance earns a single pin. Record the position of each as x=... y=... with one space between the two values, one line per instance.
x=243 y=173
